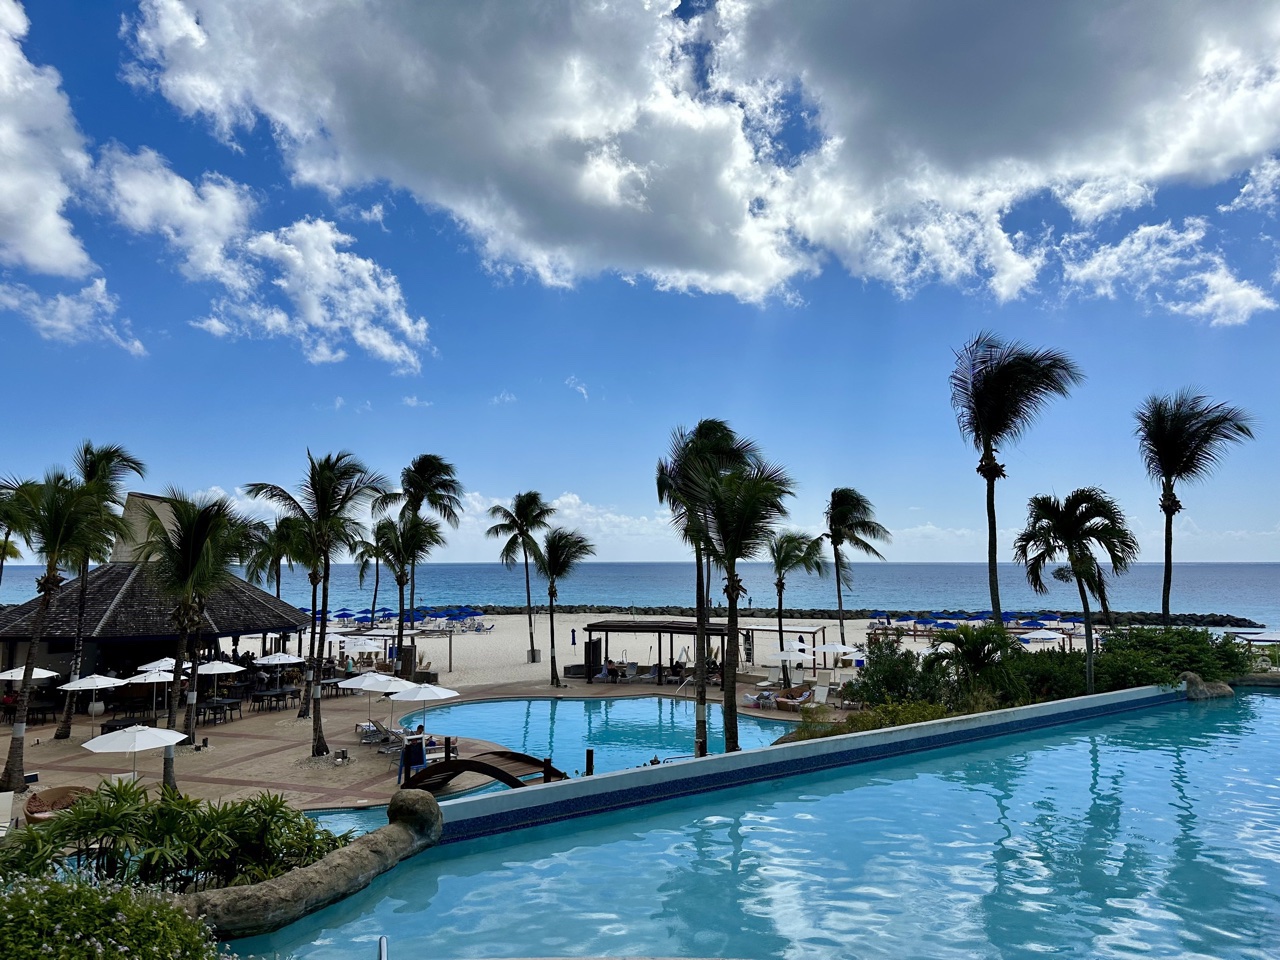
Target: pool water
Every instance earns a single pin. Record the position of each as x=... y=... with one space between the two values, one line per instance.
x=1154 y=834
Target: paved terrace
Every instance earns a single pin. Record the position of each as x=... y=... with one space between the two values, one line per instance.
x=271 y=751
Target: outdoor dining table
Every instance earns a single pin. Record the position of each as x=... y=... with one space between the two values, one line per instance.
x=219 y=709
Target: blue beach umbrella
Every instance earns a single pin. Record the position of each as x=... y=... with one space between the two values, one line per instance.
x=1073 y=619
x=946 y=626
x=364 y=619
x=905 y=619
x=926 y=621
x=305 y=609
x=1033 y=624
x=976 y=616
x=366 y=611
x=344 y=616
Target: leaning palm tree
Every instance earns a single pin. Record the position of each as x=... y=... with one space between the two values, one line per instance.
x=851 y=522
x=1184 y=437
x=429 y=481
x=528 y=514
x=791 y=550
x=192 y=546
x=561 y=551
x=742 y=506
x=711 y=447
x=1069 y=529
x=106 y=466
x=997 y=391
x=335 y=489
x=59 y=520
x=275 y=546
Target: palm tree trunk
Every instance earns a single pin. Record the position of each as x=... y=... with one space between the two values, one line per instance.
x=15 y=775
x=373 y=606
x=193 y=688
x=1168 y=557
x=4 y=552
x=700 y=656
x=528 y=598
x=551 y=623
x=400 y=625
x=64 y=725
x=993 y=552
x=170 y=777
x=413 y=584
x=276 y=571
x=731 y=664
x=839 y=597
x=304 y=707
x=319 y=748
x=1088 y=638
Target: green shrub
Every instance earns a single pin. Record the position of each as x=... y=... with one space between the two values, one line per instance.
x=892 y=673
x=119 y=834
x=1052 y=674
x=1178 y=649
x=892 y=715
x=73 y=917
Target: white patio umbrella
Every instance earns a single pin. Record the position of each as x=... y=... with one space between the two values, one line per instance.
x=834 y=648
x=786 y=656
x=363 y=645
x=278 y=660
x=386 y=683
x=217 y=667
x=153 y=677
x=132 y=739
x=364 y=682
x=94 y=682
x=164 y=663
x=39 y=673
x=423 y=693
x=1048 y=636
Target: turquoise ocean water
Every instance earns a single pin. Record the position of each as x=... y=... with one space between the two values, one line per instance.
x=1243 y=589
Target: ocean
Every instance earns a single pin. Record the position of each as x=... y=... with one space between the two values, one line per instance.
x=1239 y=589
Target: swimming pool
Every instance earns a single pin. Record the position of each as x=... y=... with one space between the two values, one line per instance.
x=1155 y=833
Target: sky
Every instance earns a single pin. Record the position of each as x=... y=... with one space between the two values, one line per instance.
x=535 y=238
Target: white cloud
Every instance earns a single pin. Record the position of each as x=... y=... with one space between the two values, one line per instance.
x=81 y=317
x=1259 y=190
x=333 y=295
x=413 y=401
x=573 y=383
x=503 y=398
x=737 y=150
x=200 y=222
x=44 y=160
x=338 y=403
x=1171 y=267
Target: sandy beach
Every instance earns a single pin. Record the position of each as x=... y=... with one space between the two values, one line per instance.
x=271 y=751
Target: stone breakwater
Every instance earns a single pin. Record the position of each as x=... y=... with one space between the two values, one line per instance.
x=1123 y=619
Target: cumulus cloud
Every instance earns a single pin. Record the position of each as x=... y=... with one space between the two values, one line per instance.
x=1259 y=190
x=44 y=160
x=203 y=223
x=414 y=402
x=77 y=318
x=736 y=149
x=1170 y=266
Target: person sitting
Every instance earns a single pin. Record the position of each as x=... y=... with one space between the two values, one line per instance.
x=611 y=669
x=431 y=741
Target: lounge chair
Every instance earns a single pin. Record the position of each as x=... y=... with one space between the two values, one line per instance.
x=650 y=677
x=795 y=698
x=772 y=677
x=764 y=700
x=6 y=811
x=390 y=740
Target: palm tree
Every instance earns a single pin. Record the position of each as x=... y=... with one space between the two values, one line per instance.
x=997 y=391
x=1070 y=529
x=711 y=447
x=333 y=491
x=790 y=550
x=59 y=520
x=528 y=514
x=192 y=547
x=402 y=544
x=365 y=552
x=275 y=546
x=10 y=521
x=742 y=506
x=977 y=657
x=107 y=467
x=851 y=521
x=1184 y=437
x=429 y=481
x=561 y=551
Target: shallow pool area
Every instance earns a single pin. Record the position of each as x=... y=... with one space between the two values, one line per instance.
x=1153 y=833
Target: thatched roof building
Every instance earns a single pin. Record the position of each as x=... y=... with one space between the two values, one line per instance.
x=124 y=602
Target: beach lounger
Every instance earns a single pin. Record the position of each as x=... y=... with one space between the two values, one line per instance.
x=772 y=677
x=795 y=698
x=763 y=700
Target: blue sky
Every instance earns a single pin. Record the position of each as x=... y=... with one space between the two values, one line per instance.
x=534 y=239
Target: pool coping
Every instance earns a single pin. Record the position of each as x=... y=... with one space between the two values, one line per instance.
x=469 y=818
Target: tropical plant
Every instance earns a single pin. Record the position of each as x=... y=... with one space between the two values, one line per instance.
x=401 y=544
x=334 y=490
x=59 y=521
x=275 y=546
x=105 y=467
x=711 y=447
x=1183 y=437
x=527 y=514
x=997 y=390
x=1069 y=529
x=851 y=521
x=742 y=505
x=192 y=544
x=10 y=520
x=1178 y=649
x=893 y=673
x=561 y=551
x=788 y=551
x=429 y=481
x=977 y=657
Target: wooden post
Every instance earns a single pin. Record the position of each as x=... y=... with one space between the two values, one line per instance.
x=448 y=748
x=546 y=769
x=591 y=762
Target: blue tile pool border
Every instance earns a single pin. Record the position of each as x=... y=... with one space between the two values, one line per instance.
x=541 y=804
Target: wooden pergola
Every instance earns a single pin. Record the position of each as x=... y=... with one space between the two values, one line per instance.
x=669 y=628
